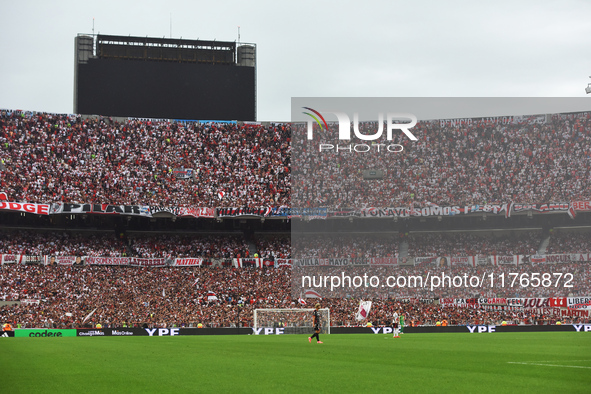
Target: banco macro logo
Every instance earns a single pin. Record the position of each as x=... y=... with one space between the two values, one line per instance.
x=402 y=122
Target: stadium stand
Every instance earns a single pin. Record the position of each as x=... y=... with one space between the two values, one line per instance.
x=61 y=158
x=66 y=158
x=49 y=158
x=216 y=297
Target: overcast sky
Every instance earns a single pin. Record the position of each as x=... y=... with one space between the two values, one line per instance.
x=319 y=48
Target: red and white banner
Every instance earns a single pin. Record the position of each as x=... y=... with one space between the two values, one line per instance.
x=561 y=312
x=187 y=262
x=30 y=302
x=581 y=206
x=107 y=260
x=538 y=259
x=20 y=259
x=283 y=262
x=558 y=306
x=132 y=210
x=424 y=260
x=459 y=302
x=197 y=212
x=11 y=258
x=433 y=210
x=39 y=209
x=559 y=302
x=211 y=296
x=566 y=258
x=248 y=262
x=579 y=302
x=505 y=260
x=463 y=260
x=383 y=261
x=139 y=262
x=59 y=260
x=542 y=208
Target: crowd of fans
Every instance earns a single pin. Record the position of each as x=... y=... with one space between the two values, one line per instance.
x=273 y=247
x=122 y=296
x=478 y=163
x=428 y=313
x=65 y=296
x=62 y=158
x=67 y=158
x=569 y=242
x=52 y=243
x=170 y=246
x=339 y=245
x=473 y=244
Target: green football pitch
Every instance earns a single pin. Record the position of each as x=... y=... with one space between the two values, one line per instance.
x=556 y=362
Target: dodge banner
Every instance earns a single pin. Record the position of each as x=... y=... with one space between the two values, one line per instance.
x=39 y=209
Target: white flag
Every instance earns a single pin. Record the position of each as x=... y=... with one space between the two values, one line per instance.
x=363 y=311
x=90 y=314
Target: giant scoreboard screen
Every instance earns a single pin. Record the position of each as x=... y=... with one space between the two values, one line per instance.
x=164 y=78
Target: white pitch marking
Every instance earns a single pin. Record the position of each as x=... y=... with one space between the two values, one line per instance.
x=551 y=365
x=551 y=361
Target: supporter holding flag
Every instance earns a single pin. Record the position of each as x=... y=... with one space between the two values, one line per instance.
x=363 y=311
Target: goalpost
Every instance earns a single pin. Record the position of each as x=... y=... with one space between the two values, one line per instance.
x=294 y=321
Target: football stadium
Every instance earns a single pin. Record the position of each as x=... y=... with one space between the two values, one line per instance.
x=162 y=240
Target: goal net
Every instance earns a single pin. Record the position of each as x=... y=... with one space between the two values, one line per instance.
x=294 y=321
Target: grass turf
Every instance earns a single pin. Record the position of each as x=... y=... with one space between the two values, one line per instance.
x=288 y=363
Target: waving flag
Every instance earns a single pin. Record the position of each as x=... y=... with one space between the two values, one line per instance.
x=363 y=311
x=312 y=294
x=90 y=314
x=211 y=296
x=508 y=210
x=571 y=211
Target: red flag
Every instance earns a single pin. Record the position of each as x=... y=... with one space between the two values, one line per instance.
x=571 y=211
